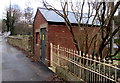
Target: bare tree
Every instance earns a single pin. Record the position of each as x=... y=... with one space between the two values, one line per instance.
x=28 y=13
x=102 y=15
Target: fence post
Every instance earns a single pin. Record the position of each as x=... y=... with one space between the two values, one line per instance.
x=109 y=69
x=104 y=68
x=94 y=64
x=99 y=68
x=74 y=59
x=51 y=54
x=80 y=58
x=58 y=48
x=87 y=56
x=90 y=68
x=115 y=73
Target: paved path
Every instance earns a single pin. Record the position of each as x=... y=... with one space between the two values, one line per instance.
x=17 y=67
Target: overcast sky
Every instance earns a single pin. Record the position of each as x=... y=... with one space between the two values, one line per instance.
x=5 y=3
x=34 y=4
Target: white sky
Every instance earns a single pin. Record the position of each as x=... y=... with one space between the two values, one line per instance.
x=5 y=3
x=34 y=4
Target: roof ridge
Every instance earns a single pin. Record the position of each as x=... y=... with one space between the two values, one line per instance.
x=51 y=10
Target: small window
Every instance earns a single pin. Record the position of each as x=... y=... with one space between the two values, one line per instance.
x=37 y=37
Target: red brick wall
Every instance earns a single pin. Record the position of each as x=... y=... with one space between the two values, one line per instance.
x=39 y=19
x=59 y=34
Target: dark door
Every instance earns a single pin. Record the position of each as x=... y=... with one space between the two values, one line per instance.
x=43 y=44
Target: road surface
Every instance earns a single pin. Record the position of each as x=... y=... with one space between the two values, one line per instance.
x=17 y=67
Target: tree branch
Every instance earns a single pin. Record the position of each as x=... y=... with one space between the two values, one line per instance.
x=112 y=13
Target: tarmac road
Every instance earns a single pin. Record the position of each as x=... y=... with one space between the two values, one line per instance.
x=17 y=67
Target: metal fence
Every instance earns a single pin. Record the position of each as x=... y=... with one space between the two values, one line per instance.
x=89 y=69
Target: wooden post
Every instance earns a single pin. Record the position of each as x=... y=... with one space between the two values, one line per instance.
x=80 y=64
x=58 y=57
x=94 y=78
x=51 y=54
x=74 y=59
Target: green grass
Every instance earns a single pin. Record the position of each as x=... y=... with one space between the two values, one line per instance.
x=117 y=41
x=117 y=56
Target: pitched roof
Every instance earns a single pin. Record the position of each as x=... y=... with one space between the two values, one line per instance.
x=51 y=16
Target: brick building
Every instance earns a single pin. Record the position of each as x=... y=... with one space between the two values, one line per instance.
x=50 y=28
